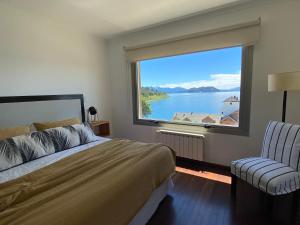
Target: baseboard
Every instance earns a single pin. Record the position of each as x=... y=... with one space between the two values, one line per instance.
x=202 y=165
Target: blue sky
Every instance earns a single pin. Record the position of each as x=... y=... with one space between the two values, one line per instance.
x=219 y=68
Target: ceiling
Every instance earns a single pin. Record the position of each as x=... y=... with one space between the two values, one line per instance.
x=111 y=17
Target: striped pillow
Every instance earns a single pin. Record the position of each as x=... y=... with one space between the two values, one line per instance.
x=282 y=143
x=21 y=149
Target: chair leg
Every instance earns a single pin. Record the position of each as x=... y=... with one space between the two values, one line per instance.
x=233 y=185
x=270 y=203
x=295 y=204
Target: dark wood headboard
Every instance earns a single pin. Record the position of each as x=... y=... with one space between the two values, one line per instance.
x=46 y=98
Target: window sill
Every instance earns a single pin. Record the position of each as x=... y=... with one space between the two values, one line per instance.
x=194 y=128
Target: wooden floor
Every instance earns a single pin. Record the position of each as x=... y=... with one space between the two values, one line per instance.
x=199 y=201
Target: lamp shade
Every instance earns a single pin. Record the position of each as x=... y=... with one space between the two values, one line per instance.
x=289 y=81
x=92 y=110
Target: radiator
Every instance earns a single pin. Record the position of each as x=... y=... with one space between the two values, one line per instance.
x=185 y=145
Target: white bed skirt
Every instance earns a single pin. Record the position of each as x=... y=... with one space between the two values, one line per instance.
x=144 y=215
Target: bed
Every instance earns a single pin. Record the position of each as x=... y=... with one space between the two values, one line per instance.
x=102 y=182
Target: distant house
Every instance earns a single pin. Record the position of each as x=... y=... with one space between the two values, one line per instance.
x=187 y=119
x=231 y=119
x=197 y=117
x=232 y=99
x=208 y=119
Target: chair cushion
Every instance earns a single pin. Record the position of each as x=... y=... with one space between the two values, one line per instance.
x=267 y=175
x=282 y=143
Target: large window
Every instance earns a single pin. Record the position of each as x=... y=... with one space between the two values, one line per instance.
x=207 y=88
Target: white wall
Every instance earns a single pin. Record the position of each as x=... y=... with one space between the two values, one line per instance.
x=277 y=51
x=38 y=56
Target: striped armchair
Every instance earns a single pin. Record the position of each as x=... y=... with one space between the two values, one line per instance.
x=277 y=171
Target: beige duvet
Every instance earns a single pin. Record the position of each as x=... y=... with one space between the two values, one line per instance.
x=105 y=185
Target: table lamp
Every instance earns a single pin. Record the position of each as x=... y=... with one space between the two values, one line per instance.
x=289 y=81
x=92 y=114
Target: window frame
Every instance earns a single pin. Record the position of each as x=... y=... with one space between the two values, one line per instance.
x=245 y=100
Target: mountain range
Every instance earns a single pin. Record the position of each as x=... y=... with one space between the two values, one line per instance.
x=193 y=90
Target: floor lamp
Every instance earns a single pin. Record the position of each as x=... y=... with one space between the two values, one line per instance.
x=285 y=82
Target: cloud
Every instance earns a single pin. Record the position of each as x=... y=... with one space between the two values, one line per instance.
x=220 y=81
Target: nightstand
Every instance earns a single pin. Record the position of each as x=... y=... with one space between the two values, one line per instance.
x=100 y=128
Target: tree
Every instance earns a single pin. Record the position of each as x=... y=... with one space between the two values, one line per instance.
x=148 y=94
x=146 y=109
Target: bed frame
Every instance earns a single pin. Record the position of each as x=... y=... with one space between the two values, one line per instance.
x=39 y=104
x=145 y=213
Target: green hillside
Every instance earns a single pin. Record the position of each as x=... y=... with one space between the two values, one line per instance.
x=150 y=94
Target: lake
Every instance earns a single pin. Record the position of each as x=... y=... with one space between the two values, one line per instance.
x=204 y=102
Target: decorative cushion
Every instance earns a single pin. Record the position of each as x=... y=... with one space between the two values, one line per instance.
x=85 y=132
x=21 y=149
x=18 y=150
x=282 y=143
x=12 y=132
x=60 y=123
x=62 y=138
x=268 y=175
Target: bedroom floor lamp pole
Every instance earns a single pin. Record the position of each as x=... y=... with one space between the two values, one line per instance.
x=289 y=81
